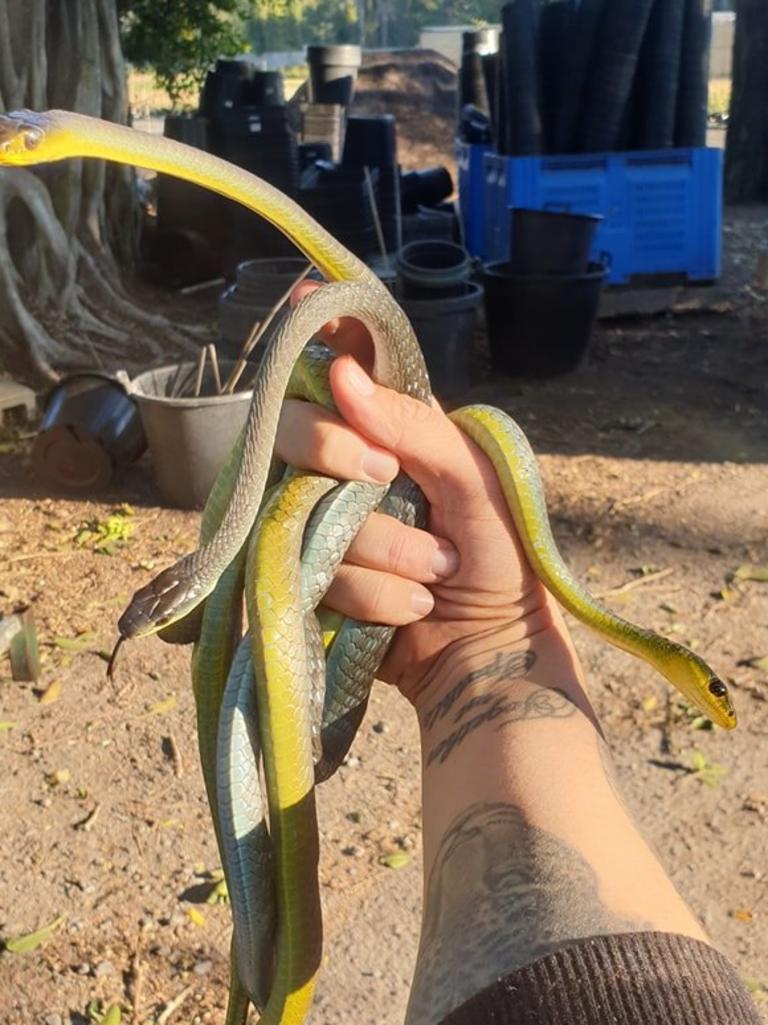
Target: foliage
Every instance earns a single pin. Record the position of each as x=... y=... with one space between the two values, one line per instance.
x=291 y=24
x=179 y=41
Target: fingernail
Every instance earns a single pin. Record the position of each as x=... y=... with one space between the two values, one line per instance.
x=358 y=378
x=445 y=561
x=380 y=467
x=422 y=602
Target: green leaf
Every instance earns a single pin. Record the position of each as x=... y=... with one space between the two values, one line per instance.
x=708 y=773
x=74 y=643
x=701 y=722
x=112 y=1015
x=397 y=859
x=161 y=707
x=698 y=761
x=760 y=662
x=219 y=893
x=6 y=724
x=751 y=572
x=196 y=917
x=757 y=988
x=30 y=942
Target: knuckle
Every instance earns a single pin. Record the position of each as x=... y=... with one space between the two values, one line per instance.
x=324 y=445
x=375 y=598
x=398 y=553
x=408 y=419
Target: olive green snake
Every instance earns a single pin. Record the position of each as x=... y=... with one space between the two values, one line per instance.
x=261 y=698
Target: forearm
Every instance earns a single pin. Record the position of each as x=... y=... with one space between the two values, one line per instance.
x=526 y=843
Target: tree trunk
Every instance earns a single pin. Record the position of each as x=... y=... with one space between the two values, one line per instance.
x=746 y=159
x=67 y=229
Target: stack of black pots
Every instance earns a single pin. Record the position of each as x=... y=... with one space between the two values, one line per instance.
x=425 y=207
x=435 y=290
x=248 y=301
x=341 y=199
x=339 y=194
x=372 y=142
x=540 y=306
x=244 y=119
x=332 y=77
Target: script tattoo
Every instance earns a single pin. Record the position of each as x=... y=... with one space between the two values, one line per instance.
x=501 y=894
x=541 y=704
x=504 y=666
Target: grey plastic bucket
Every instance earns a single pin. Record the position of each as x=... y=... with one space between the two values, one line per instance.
x=189 y=438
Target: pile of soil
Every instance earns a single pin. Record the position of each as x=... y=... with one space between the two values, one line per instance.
x=419 y=88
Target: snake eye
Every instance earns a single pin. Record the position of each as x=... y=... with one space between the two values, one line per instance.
x=717 y=688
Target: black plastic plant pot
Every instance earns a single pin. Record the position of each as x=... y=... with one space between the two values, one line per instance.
x=265 y=89
x=539 y=325
x=191 y=130
x=433 y=269
x=333 y=73
x=445 y=330
x=424 y=188
x=551 y=241
x=91 y=426
x=264 y=281
x=370 y=142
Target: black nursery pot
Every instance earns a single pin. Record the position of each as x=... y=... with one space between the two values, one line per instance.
x=539 y=325
x=433 y=268
x=551 y=241
x=333 y=73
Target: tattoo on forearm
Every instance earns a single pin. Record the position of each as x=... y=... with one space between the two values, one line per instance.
x=541 y=704
x=501 y=894
x=503 y=666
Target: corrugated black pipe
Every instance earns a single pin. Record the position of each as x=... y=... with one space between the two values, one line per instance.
x=577 y=60
x=691 y=127
x=521 y=77
x=606 y=106
x=658 y=77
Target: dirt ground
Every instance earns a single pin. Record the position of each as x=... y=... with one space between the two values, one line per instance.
x=654 y=456
x=655 y=459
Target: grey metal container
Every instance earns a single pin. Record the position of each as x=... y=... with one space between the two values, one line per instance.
x=189 y=438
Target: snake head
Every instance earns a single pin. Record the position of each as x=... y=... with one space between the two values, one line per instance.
x=704 y=690
x=164 y=600
x=21 y=133
x=718 y=693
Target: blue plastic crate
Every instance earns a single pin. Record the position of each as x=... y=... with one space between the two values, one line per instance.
x=662 y=209
x=469 y=161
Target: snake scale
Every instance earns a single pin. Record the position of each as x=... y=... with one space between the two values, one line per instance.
x=273 y=540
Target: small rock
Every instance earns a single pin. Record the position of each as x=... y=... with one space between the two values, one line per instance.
x=202 y=967
x=83 y=969
x=380 y=727
x=53 y=1019
x=351 y=761
x=352 y=851
x=104 y=968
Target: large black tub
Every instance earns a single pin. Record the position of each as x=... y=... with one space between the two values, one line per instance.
x=539 y=325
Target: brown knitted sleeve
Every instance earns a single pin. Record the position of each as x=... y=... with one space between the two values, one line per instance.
x=631 y=979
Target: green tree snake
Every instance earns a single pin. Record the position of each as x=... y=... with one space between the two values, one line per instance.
x=264 y=697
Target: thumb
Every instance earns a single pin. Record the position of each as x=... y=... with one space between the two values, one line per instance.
x=431 y=449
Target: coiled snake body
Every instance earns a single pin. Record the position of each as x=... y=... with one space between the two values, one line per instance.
x=264 y=697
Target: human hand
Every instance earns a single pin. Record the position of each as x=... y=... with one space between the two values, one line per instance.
x=463 y=578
